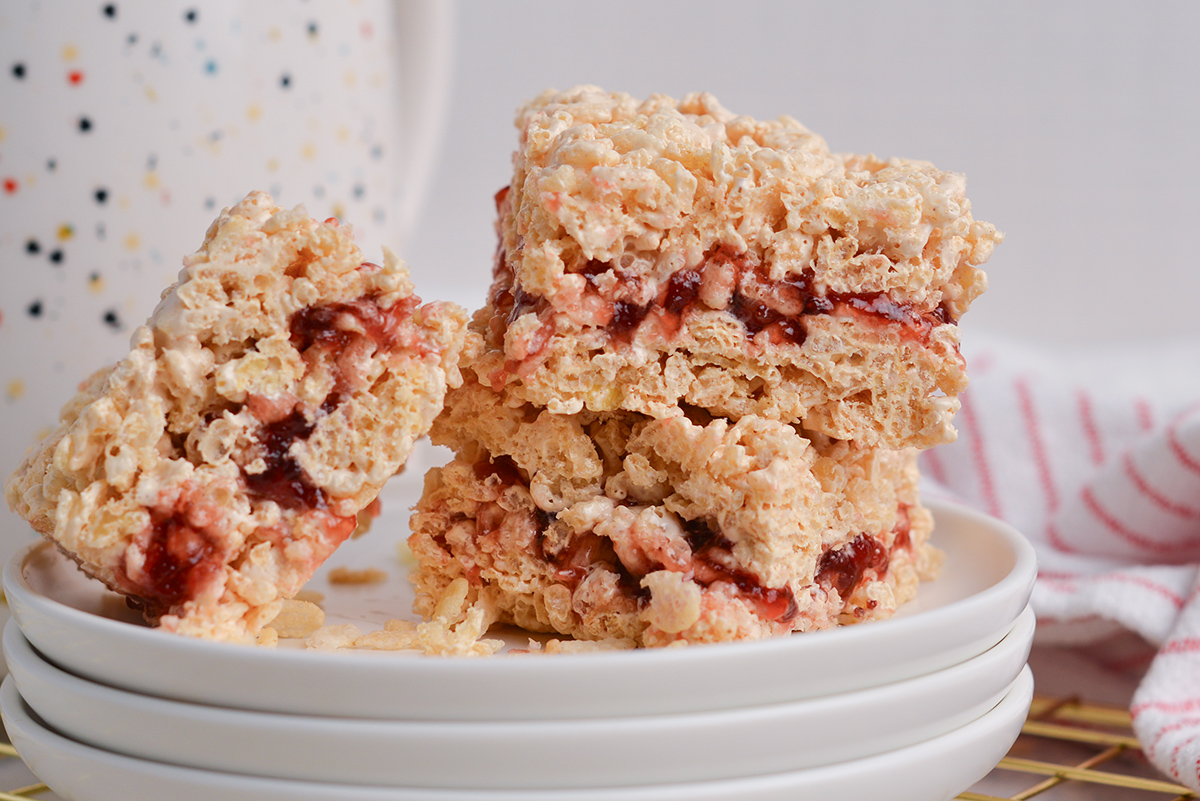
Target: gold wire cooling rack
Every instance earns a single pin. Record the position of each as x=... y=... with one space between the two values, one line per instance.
x=1070 y=748
x=20 y=793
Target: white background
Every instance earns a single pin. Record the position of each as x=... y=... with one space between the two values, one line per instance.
x=1075 y=123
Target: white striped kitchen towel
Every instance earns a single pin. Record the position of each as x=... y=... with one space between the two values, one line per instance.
x=1095 y=456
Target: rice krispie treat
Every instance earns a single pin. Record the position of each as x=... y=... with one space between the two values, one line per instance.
x=623 y=527
x=279 y=383
x=656 y=253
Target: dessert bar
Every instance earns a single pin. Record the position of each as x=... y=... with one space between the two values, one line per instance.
x=624 y=527
x=692 y=403
x=656 y=253
x=279 y=383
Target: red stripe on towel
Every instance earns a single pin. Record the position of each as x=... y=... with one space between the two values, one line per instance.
x=1091 y=431
x=1185 y=458
x=1145 y=414
x=1159 y=500
x=1041 y=460
x=1130 y=536
x=979 y=453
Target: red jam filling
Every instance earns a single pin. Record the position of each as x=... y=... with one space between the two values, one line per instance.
x=781 y=312
x=583 y=552
x=844 y=569
x=580 y=557
x=778 y=307
x=284 y=481
x=700 y=535
x=179 y=560
x=503 y=467
x=770 y=603
x=903 y=530
x=336 y=326
x=712 y=552
x=332 y=328
x=511 y=303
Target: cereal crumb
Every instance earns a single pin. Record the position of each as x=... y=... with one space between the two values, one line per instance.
x=331 y=638
x=452 y=606
x=348 y=575
x=399 y=625
x=674 y=602
x=383 y=640
x=586 y=646
x=439 y=638
x=298 y=619
x=268 y=637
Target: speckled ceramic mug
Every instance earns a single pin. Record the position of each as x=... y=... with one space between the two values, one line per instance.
x=127 y=125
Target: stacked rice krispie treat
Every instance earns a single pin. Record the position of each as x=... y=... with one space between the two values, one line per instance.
x=280 y=382
x=692 y=404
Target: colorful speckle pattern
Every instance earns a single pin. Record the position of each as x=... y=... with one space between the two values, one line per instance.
x=126 y=126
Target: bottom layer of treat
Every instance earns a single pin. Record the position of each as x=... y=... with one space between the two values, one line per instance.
x=692 y=532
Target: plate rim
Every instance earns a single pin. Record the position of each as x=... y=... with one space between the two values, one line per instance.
x=993 y=732
x=1013 y=589
x=365 y=751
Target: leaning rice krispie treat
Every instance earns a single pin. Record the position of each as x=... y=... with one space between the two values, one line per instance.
x=623 y=527
x=655 y=253
x=280 y=382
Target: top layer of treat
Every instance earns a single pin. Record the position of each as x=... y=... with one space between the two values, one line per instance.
x=658 y=253
x=605 y=183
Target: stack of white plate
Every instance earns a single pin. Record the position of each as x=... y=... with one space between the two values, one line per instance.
x=917 y=707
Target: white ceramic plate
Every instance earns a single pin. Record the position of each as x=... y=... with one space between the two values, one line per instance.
x=85 y=629
x=648 y=750
x=935 y=770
